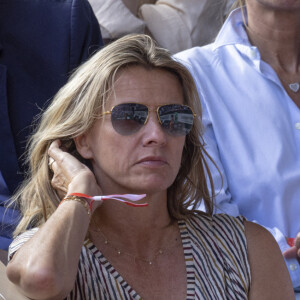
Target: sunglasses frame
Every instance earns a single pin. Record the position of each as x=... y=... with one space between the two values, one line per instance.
x=109 y=112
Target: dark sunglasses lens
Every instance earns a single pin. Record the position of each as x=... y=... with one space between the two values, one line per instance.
x=176 y=119
x=128 y=118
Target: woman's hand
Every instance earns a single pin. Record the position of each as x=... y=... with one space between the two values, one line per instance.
x=70 y=175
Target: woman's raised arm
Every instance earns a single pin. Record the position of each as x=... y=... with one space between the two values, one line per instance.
x=45 y=267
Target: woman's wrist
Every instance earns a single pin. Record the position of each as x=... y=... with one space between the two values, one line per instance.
x=84 y=182
x=85 y=202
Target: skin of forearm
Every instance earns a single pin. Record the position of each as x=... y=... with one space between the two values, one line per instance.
x=45 y=267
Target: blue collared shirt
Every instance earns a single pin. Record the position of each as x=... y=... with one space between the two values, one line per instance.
x=252 y=131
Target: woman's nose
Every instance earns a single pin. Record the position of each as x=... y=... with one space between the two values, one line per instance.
x=153 y=131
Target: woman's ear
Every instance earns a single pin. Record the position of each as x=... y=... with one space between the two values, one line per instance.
x=83 y=147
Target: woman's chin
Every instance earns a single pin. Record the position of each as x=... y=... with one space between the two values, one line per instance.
x=150 y=189
x=139 y=184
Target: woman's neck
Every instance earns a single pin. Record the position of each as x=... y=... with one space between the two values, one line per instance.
x=141 y=230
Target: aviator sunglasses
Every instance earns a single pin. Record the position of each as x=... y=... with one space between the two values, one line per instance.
x=128 y=118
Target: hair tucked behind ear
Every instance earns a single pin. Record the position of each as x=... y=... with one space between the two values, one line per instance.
x=78 y=104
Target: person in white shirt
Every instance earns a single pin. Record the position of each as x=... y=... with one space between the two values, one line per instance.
x=248 y=81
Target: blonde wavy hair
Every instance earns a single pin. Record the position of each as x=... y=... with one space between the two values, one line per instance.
x=78 y=104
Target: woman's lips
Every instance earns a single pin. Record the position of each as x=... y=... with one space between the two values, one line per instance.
x=153 y=161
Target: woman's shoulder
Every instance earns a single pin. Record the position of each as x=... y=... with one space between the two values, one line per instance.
x=266 y=261
x=221 y=241
x=204 y=221
x=224 y=231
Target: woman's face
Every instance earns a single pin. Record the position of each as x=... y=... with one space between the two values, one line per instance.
x=144 y=162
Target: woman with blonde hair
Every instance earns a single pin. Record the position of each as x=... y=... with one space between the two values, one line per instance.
x=126 y=178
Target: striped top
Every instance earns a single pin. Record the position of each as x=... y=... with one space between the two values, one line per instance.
x=215 y=253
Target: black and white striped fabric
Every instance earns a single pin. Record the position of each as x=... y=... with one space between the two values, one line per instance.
x=216 y=259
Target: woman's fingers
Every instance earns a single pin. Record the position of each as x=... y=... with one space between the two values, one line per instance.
x=52 y=151
x=69 y=174
x=61 y=190
x=64 y=162
x=51 y=161
x=59 y=180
